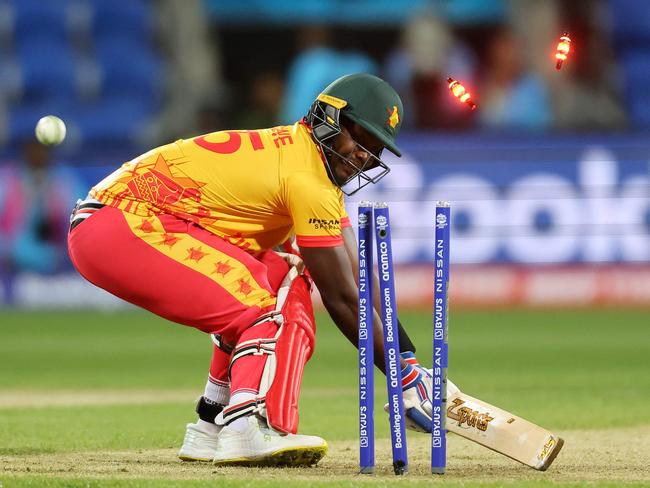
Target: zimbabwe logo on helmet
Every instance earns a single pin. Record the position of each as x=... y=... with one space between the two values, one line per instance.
x=393 y=117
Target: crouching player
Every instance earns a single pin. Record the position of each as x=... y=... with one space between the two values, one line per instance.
x=186 y=231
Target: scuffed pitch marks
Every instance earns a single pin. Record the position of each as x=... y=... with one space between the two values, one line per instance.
x=612 y=456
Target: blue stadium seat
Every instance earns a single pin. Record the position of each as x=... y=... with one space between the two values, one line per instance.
x=637 y=85
x=129 y=68
x=630 y=22
x=48 y=70
x=113 y=120
x=47 y=73
x=39 y=19
x=131 y=18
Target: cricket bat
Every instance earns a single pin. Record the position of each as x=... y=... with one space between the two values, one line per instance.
x=501 y=431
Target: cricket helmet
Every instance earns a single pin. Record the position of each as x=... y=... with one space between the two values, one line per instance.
x=366 y=100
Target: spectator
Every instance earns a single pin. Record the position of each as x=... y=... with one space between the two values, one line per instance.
x=34 y=211
x=3 y=120
x=419 y=68
x=317 y=64
x=475 y=22
x=6 y=220
x=195 y=75
x=586 y=98
x=537 y=39
x=511 y=97
x=210 y=117
x=264 y=102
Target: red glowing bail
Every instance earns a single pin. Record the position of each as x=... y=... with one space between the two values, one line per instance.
x=562 y=50
x=460 y=93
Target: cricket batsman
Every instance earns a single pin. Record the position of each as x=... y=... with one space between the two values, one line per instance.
x=191 y=230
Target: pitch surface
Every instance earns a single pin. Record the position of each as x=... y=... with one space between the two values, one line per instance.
x=90 y=399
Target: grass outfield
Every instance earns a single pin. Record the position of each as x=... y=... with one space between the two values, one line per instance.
x=101 y=399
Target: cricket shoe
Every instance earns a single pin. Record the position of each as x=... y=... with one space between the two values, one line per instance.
x=258 y=445
x=200 y=443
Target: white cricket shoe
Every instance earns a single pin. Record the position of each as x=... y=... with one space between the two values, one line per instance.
x=258 y=445
x=200 y=443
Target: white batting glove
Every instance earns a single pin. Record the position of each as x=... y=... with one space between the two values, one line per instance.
x=417 y=384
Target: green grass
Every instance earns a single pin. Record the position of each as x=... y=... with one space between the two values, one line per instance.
x=230 y=483
x=562 y=369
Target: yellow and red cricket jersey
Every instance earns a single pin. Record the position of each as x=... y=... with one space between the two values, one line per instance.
x=254 y=188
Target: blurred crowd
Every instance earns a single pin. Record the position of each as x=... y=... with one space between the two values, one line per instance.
x=502 y=51
x=143 y=72
x=35 y=202
x=200 y=73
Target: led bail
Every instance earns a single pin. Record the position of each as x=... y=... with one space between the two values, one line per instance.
x=562 y=50
x=460 y=93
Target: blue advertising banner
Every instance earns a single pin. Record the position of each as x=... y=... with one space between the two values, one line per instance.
x=525 y=200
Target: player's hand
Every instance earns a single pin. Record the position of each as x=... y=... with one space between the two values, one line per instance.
x=416 y=387
x=417 y=384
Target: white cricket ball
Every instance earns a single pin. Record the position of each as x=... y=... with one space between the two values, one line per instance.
x=50 y=130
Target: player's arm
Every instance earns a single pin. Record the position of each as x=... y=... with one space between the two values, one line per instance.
x=350 y=242
x=330 y=269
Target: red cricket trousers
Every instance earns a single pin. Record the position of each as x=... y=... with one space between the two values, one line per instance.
x=179 y=271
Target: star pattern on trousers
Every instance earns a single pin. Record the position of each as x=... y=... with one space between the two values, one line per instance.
x=195 y=254
x=221 y=268
x=245 y=287
x=170 y=240
x=146 y=226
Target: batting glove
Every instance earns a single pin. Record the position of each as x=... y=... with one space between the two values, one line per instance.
x=417 y=386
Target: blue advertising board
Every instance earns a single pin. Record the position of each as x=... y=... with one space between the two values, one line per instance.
x=528 y=200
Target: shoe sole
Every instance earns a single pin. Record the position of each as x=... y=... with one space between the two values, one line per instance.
x=291 y=456
x=191 y=459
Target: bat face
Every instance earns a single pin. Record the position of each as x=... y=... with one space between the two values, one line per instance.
x=502 y=431
x=467 y=417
